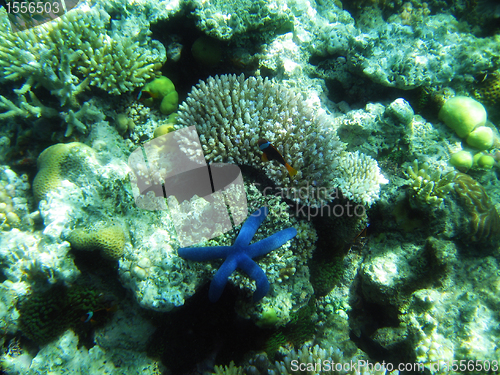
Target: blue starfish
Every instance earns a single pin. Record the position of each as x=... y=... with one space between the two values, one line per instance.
x=240 y=255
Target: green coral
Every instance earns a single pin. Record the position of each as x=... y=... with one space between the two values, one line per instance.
x=484 y=221
x=325 y=275
x=75 y=51
x=428 y=187
x=300 y=329
x=57 y=162
x=45 y=316
x=163 y=89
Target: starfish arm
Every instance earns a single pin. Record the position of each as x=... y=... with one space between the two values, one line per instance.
x=270 y=243
x=250 y=226
x=253 y=270
x=220 y=279
x=201 y=254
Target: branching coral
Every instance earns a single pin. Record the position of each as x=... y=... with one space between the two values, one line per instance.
x=78 y=50
x=358 y=177
x=231 y=113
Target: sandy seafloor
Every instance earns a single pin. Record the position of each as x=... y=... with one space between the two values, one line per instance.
x=387 y=110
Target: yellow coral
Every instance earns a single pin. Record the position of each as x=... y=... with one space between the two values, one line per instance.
x=484 y=223
x=54 y=162
x=488 y=90
x=109 y=239
x=429 y=188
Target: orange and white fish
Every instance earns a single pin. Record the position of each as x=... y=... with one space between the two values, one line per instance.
x=270 y=153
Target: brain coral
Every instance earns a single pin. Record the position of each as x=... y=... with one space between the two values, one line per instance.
x=56 y=162
x=231 y=113
x=484 y=223
x=109 y=239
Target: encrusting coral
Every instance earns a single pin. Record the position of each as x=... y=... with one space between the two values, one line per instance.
x=56 y=162
x=110 y=239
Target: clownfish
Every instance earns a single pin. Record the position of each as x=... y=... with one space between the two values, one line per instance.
x=270 y=153
x=96 y=316
x=144 y=95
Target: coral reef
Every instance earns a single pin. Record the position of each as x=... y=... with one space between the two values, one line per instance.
x=14 y=208
x=108 y=238
x=444 y=302
x=231 y=125
x=428 y=188
x=57 y=163
x=70 y=54
x=45 y=316
x=223 y=19
x=240 y=255
x=78 y=44
x=488 y=91
x=149 y=267
x=484 y=221
x=65 y=355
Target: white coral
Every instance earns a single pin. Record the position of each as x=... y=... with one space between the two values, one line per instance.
x=231 y=113
x=358 y=177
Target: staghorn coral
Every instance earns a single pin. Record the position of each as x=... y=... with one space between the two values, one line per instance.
x=110 y=239
x=75 y=51
x=484 y=222
x=231 y=113
x=428 y=188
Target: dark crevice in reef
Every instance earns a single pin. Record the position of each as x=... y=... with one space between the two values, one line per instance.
x=200 y=334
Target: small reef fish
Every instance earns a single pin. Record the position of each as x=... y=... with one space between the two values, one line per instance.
x=98 y=315
x=147 y=95
x=270 y=153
